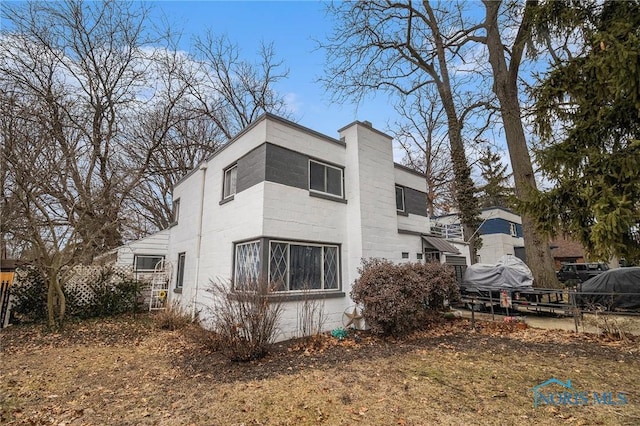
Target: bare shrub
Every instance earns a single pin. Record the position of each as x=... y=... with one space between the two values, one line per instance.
x=398 y=299
x=173 y=317
x=311 y=314
x=246 y=321
x=610 y=326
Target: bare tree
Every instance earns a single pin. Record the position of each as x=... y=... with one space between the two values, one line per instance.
x=201 y=101
x=232 y=91
x=394 y=46
x=78 y=69
x=403 y=46
x=505 y=59
x=423 y=137
x=34 y=219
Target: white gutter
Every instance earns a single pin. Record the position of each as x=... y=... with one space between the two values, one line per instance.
x=203 y=168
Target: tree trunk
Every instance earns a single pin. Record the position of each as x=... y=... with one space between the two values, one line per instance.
x=56 y=301
x=464 y=187
x=505 y=86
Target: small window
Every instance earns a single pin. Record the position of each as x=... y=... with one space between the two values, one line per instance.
x=175 y=211
x=399 y=198
x=405 y=254
x=146 y=263
x=325 y=178
x=180 y=271
x=419 y=256
x=513 y=230
x=432 y=256
x=230 y=178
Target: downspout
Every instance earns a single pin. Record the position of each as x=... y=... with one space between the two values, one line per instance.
x=203 y=169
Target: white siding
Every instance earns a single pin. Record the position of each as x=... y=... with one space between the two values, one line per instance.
x=365 y=226
x=155 y=244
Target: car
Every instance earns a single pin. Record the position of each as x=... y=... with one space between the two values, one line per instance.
x=614 y=289
x=580 y=272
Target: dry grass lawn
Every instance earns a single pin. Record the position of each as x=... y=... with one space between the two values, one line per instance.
x=128 y=372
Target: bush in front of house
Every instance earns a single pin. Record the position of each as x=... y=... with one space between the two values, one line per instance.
x=245 y=320
x=400 y=298
x=28 y=297
x=106 y=293
x=109 y=293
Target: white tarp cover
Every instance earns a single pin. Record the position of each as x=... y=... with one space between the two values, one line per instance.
x=508 y=272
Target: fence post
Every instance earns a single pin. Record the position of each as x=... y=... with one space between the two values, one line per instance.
x=574 y=309
x=473 y=313
x=493 y=314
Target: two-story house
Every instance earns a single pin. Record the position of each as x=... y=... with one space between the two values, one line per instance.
x=500 y=230
x=285 y=202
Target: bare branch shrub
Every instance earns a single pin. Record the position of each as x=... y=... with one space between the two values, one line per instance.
x=246 y=320
x=610 y=326
x=173 y=317
x=311 y=314
x=401 y=298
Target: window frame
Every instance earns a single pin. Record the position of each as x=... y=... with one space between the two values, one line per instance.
x=236 y=246
x=175 y=211
x=182 y=257
x=404 y=204
x=226 y=176
x=287 y=282
x=135 y=262
x=513 y=229
x=326 y=179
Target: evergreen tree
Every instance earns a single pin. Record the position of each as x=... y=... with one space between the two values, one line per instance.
x=496 y=191
x=588 y=114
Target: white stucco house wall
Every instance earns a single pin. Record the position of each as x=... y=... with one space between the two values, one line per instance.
x=285 y=202
x=501 y=232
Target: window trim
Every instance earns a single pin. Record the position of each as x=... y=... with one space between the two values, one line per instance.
x=182 y=260
x=235 y=260
x=225 y=177
x=135 y=262
x=175 y=211
x=404 y=204
x=326 y=165
x=322 y=290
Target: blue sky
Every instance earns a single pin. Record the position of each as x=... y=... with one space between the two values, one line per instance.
x=292 y=27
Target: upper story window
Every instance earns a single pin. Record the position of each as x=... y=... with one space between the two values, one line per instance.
x=175 y=211
x=230 y=178
x=146 y=262
x=325 y=178
x=400 y=199
x=513 y=230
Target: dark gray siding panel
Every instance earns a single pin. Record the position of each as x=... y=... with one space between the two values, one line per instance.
x=287 y=167
x=499 y=226
x=251 y=168
x=415 y=202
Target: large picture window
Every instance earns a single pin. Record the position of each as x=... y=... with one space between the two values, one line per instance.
x=297 y=266
x=325 y=178
x=247 y=264
x=230 y=178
